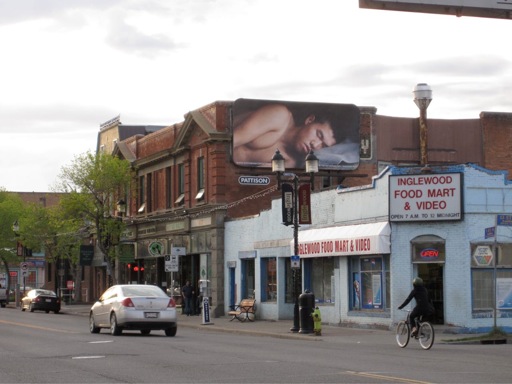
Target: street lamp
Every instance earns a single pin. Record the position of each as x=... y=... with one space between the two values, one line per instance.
x=422 y=97
x=121 y=208
x=20 y=250
x=278 y=167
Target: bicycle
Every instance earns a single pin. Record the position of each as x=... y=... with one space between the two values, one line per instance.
x=424 y=334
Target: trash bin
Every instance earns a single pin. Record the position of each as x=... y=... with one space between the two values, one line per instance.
x=306 y=307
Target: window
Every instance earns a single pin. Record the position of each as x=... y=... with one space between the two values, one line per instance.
x=491 y=286
x=181 y=184
x=149 y=194
x=322 y=279
x=168 y=187
x=248 y=279
x=269 y=279
x=200 y=178
x=370 y=288
x=292 y=276
x=142 y=195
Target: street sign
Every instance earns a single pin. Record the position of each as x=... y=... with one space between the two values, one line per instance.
x=178 y=251
x=505 y=220
x=490 y=232
x=171 y=263
x=295 y=260
x=24 y=266
x=498 y=9
x=254 y=180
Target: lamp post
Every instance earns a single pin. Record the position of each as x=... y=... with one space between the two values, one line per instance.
x=20 y=250
x=291 y=196
x=422 y=98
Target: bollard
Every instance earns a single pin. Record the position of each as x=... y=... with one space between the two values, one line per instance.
x=306 y=306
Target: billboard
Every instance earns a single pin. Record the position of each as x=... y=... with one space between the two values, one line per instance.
x=498 y=9
x=261 y=126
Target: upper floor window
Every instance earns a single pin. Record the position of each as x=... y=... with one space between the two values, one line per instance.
x=149 y=193
x=168 y=187
x=142 y=195
x=181 y=184
x=200 y=178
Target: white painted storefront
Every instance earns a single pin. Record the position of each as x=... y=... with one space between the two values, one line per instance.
x=359 y=262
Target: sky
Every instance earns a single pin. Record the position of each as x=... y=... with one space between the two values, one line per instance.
x=68 y=66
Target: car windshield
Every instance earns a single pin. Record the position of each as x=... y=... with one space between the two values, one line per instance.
x=45 y=292
x=142 y=290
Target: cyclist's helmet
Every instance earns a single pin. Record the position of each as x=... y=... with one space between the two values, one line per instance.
x=417 y=282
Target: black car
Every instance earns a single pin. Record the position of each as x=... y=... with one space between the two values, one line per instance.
x=41 y=300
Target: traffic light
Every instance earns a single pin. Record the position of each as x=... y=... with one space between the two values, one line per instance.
x=135 y=270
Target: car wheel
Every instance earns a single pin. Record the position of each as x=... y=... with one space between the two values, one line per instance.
x=171 y=331
x=22 y=307
x=145 y=331
x=115 y=329
x=31 y=307
x=56 y=312
x=47 y=311
x=92 y=325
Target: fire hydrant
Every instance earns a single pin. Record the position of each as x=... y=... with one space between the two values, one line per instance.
x=317 y=322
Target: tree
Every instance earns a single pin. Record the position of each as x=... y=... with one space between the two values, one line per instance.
x=11 y=209
x=94 y=183
x=51 y=229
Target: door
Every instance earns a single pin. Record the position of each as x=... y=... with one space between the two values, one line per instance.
x=432 y=275
x=232 y=288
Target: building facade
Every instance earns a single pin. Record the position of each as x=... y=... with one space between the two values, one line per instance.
x=359 y=261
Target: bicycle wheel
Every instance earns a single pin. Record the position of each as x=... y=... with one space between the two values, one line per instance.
x=402 y=334
x=426 y=335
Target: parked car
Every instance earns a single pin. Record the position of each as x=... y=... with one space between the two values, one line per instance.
x=41 y=300
x=134 y=307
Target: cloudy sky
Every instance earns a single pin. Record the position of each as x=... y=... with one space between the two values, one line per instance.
x=69 y=65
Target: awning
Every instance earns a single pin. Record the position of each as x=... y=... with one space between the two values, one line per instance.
x=363 y=239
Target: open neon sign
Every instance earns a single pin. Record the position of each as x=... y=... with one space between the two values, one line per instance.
x=429 y=253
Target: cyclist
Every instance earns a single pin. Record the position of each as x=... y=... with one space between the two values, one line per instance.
x=423 y=306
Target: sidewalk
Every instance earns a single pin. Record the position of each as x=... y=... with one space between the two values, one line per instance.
x=281 y=328
x=270 y=328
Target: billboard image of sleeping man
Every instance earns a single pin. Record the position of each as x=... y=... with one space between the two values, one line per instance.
x=260 y=127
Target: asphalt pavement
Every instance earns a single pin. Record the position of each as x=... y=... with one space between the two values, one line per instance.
x=281 y=328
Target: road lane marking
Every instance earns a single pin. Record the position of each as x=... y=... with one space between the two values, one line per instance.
x=87 y=357
x=36 y=327
x=101 y=341
x=385 y=377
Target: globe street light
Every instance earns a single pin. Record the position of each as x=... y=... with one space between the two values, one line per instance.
x=292 y=195
x=422 y=97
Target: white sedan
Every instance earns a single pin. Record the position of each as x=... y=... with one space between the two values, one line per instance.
x=134 y=307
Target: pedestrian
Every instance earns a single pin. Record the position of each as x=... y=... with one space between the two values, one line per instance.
x=188 y=295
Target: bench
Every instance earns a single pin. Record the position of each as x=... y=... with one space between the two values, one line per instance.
x=246 y=310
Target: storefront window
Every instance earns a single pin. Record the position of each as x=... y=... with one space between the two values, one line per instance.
x=491 y=285
x=248 y=278
x=269 y=279
x=322 y=279
x=370 y=288
x=289 y=272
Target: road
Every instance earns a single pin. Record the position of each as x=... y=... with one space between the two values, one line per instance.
x=48 y=348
